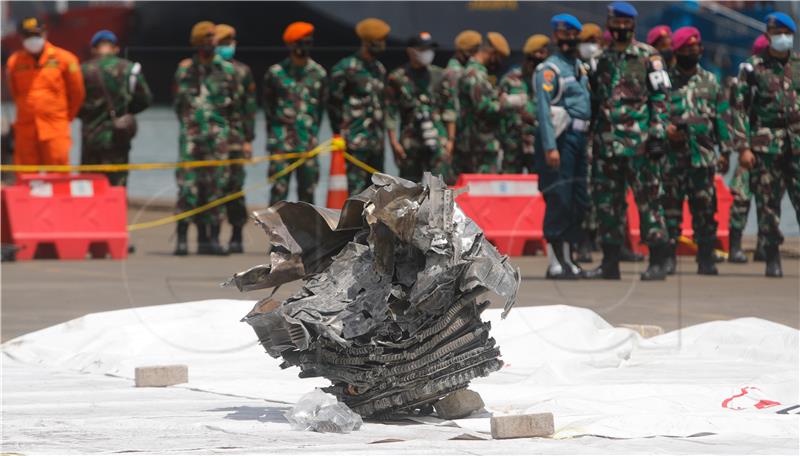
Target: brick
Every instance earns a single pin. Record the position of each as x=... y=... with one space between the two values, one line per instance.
x=646 y=331
x=517 y=426
x=458 y=404
x=161 y=375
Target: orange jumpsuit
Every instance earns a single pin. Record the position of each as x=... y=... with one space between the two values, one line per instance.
x=48 y=94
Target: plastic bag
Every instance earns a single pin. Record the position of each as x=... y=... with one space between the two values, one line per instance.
x=321 y=412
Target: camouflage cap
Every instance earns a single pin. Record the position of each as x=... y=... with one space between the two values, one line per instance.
x=590 y=30
x=372 y=29
x=200 y=31
x=499 y=43
x=535 y=43
x=468 y=39
x=223 y=31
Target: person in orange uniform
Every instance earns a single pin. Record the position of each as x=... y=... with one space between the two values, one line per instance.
x=47 y=87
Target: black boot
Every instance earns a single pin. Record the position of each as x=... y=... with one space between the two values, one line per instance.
x=706 y=263
x=182 y=245
x=214 y=247
x=629 y=256
x=584 y=254
x=671 y=261
x=773 y=256
x=203 y=247
x=655 y=269
x=558 y=269
x=609 y=266
x=235 y=246
x=735 y=253
x=761 y=253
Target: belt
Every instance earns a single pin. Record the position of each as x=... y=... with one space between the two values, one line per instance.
x=579 y=125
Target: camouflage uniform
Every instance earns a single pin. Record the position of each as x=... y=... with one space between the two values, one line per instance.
x=414 y=97
x=699 y=108
x=450 y=107
x=740 y=191
x=479 y=149
x=294 y=100
x=128 y=92
x=517 y=129
x=242 y=131
x=207 y=97
x=767 y=121
x=629 y=112
x=356 y=109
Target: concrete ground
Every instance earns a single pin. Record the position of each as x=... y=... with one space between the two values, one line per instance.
x=37 y=294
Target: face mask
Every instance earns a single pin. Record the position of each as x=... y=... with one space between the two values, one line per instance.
x=687 y=61
x=425 y=57
x=226 y=52
x=667 y=55
x=33 y=44
x=376 y=49
x=568 y=46
x=782 y=42
x=533 y=61
x=621 y=35
x=588 y=50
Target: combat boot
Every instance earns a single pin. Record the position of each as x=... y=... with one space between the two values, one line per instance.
x=202 y=238
x=655 y=269
x=761 y=253
x=735 y=253
x=609 y=266
x=235 y=245
x=584 y=254
x=773 y=257
x=214 y=247
x=706 y=263
x=558 y=268
x=671 y=261
x=182 y=244
x=629 y=256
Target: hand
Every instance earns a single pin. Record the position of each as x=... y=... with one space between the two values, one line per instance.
x=399 y=152
x=723 y=164
x=747 y=159
x=448 y=150
x=674 y=134
x=552 y=158
x=247 y=150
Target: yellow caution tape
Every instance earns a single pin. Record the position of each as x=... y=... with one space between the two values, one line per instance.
x=360 y=164
x=324 y=147
x=693 y=245
x=113 y=168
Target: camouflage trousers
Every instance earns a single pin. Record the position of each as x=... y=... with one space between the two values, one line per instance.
x=307 y=176
x=590 y=220
x=682 y=181
x=477 y=161
x=515 y=160
x=199 y=186
x=236 y=210
x=420 y=159
x=357 y=178
x=740 y=190
x=117 y=155
x=770 y=178
x=614 y=176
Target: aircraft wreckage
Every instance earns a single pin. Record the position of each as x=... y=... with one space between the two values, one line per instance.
x=390 y=307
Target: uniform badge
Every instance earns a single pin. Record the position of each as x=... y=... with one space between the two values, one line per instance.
x=548 y=75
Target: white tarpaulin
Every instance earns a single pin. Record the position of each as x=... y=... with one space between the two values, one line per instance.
x=719 y=387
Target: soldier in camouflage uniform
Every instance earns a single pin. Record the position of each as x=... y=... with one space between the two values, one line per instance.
x=208 y=95
x=767 y=131
x=242 y=133
x=295 y=91
x=629 y=91
x=699 y=119
x=112 y=84
x=357 y=105
x=414 y=106
x=466 y=44
x=518 y=126
x=482 y=107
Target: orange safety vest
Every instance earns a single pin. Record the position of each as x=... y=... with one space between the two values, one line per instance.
x=48 y=93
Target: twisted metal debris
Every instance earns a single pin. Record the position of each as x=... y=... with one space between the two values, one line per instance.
x=390 y=309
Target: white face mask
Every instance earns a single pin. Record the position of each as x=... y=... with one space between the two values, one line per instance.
x=782 y=42
x=425 y=57
x=588 y=50
x=33 y=44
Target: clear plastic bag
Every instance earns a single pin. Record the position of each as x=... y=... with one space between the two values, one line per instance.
x=321 y=412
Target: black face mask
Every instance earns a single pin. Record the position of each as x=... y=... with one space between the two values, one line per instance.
x=568 y=46
x=376 y=49
x=621 y=35
x=687 y=61
x=667 y=55
x=533 y=61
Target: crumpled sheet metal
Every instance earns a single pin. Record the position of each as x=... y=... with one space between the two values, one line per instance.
x=389 y=310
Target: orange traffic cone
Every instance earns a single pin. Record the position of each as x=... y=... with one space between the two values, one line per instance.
x=337 y=183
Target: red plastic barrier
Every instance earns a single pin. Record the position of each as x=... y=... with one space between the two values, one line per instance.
x=509 y=209
x=724 y=201
x=65 y=216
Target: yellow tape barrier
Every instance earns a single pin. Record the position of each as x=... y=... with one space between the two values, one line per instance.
x=324 y=147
